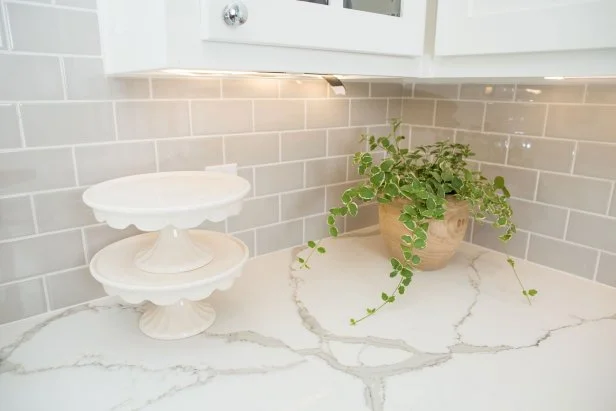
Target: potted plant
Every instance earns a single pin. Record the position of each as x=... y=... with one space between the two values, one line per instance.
x=425 y=196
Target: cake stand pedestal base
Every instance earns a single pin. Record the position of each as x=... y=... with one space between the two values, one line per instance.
x=180 y=320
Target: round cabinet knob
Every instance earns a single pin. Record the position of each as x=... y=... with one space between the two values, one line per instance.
x=235 y=14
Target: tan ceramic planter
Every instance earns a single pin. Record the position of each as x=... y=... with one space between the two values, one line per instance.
x=444 y=236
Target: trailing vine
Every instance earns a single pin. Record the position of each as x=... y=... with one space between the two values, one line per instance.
x=423 y=177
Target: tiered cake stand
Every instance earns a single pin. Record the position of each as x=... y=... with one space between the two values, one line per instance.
x=175 y=269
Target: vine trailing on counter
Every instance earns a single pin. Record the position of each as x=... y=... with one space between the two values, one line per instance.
x=423 y=177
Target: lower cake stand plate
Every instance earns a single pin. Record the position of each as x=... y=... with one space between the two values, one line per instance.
x=177 y=308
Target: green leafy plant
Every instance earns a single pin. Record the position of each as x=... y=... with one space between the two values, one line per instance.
x=424 y=177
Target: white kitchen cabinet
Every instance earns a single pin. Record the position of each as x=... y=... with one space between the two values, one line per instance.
x=472 y=27
x=524 y=38
x=151 y=36
x=332 y=26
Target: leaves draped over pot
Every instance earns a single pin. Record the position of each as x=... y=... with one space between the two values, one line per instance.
x=423 y=176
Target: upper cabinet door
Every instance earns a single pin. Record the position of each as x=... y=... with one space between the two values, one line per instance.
x=472 y=27
x=389 y=27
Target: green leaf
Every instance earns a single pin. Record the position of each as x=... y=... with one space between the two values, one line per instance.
x=410 y=225
x=333 y=231
x=366 y=158
x=391 y=299
x=377 y=179
x=506 y=192
x=347 y=196
x=321 y=250
x=407 y=281
x=406 y=238
x=387 y=164
x=532 y=292
x=499 y=182
x=394 y=273
x=416 y=259
x=431 y=204
x=352 y=321
x=456 y=183
x=391 y=190
x=370 y=311
x=366 y=193
x=331 y=220
x=524 y=292
x=406 y=273
x=420 y=244
x=384 y=297
x=353 y=209
x=301 y=260
x=312 y=244
x=511 y=262
x=395 y=263
x=401 y=289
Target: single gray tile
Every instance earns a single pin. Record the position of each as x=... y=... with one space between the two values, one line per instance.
x=98 y=163
x=250 y=149
x=570 y=93
x=32 y=170
x=15 y=217
x=582 y=122
x=541 y=153
x=386 y=89
x=342 y=141
x=72 y=287
x=368 y=112
x=248 y=238
x=367 y=216
x=279 y=178
x=487 y=147
x=189 y=154
x=596 y=160
x=521 y=183
x=279 y=236
x=606 y=273
x=574 y=192
x=152 y=119
x=62 y=209
x=592 y=231
x=255 y=213
x=327 y=113
x=249 y=88
x=70 y=123
x=42 y=254
x=4 y=38
x=303 y=88
x=9 y=127
x=420 y=112
x=299 y=145
x=440 y=91
x=487 y=236
x=487 y=92
x=515 y=118
x=539 y=218
x=84 y=4
x=317 y=228
x=271 y=115
x=326 y=171
x=353 y=89
x=221 y=117
x=99 y=237
x=248 y=174
x=21 y=300
x=30 y=78
x=303 y=203
x=57 y=30
x=459 y=114
x=86 y=80
x=601 y=93
x=394 y=109
x=421 y=136
x=185 y=88
x=562 y=256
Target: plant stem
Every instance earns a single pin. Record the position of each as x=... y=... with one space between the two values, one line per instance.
x=382 y=304
x=305 y=263
x=524 y=291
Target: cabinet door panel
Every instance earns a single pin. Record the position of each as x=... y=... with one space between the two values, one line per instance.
x=472 y=27
x=302 y=24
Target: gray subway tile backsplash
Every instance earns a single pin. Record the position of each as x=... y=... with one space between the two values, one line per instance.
x=59 y=115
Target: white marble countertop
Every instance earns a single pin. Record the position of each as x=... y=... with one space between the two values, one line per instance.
x=462 y=338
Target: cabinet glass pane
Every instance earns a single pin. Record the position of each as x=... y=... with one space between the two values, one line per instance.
x=387 y=7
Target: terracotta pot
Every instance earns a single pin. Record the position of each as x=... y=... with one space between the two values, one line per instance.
x=444 y=236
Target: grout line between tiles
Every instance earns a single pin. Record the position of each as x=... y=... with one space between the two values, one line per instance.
x=566 y=228
x=33 y=210
x=252 y=107
x=74 y=159
x=507 y=148
x=150 y=89
x=156 y=157
x=63 y=78
x=254 y=240
x=46 y=294
x=190 y=119
x=545 y=120
x=536 y=185
x=483 y=117
x=585 y=93
x=305 y=115
x=84 y=244
x=596 y=271
x=434 y=107
x=574 y=157
x=530 y=233
x=20 y=124
x=114 y=112
x=611 y=199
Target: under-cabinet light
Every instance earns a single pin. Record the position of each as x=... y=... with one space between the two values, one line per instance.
x=581 y=78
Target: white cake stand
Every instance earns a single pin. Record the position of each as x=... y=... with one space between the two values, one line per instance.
x=175 y=269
